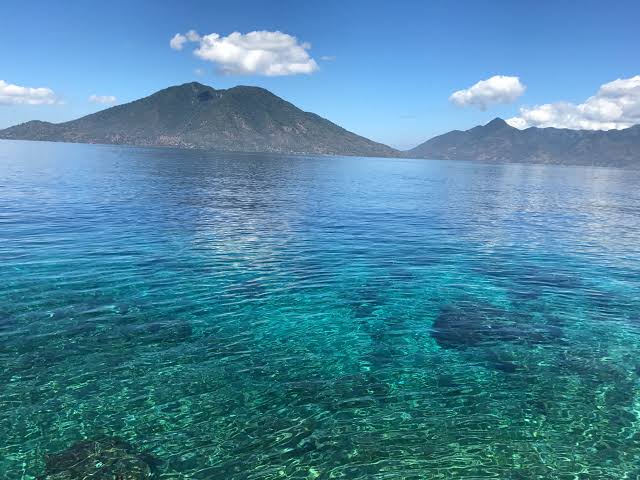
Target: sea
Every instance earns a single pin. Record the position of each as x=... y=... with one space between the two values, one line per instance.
x=261 y=316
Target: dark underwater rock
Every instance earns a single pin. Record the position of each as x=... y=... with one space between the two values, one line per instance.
x=528 y=282
x=104 y=459
x=167 y=332
x=505 y=366
x=469 y=324
x=362 y=390
x=502 y=359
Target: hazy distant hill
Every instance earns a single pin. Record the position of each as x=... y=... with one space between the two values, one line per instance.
x=193 y=115
x=499 y=142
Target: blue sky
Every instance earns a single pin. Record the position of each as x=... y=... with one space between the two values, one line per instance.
x=394 y=67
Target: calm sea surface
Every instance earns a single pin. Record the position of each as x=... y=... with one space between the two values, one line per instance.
x=270 y=317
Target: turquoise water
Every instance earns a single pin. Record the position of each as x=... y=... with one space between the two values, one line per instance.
x=267 y=317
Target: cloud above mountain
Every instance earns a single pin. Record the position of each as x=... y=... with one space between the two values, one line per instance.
x=616 y=105
x=497 y=89
x=254 y=53
x=11 y=94
x=104 y=99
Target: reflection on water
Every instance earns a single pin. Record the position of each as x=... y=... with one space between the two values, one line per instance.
x=255 y=316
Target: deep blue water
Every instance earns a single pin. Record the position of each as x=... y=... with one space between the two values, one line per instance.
x=267 y=317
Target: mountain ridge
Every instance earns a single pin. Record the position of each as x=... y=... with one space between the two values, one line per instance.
x=253 y=119
x=193 y=115
x=499 y=142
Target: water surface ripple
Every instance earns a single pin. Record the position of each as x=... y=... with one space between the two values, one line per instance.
x=266 y=317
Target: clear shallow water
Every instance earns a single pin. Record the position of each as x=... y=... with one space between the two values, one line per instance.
x=263 y=317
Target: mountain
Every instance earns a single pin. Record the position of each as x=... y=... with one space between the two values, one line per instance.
x=248 y=119
x=497 y=141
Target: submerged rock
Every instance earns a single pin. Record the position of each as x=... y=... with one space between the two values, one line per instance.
x=104 y=459
x=470 y=324
x=157 y=332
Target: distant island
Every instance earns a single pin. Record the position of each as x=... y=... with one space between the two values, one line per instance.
x=252 y=119
x=497 y=141
x=247 y=119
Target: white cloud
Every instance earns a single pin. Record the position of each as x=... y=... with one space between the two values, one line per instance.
x=15 y=95
x=178 y=41
x=193 y=36
x=103 y=99
x=253 y=53
x=328 y=58
x=199 y=72
x=497 y=89
x=616 y=105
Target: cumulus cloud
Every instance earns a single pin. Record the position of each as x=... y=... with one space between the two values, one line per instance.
x=178 y=40
x=15 y=95
x=193 y=36
x=616 y=105
x=253 y=53
x=105 y=99
x=497 y=89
